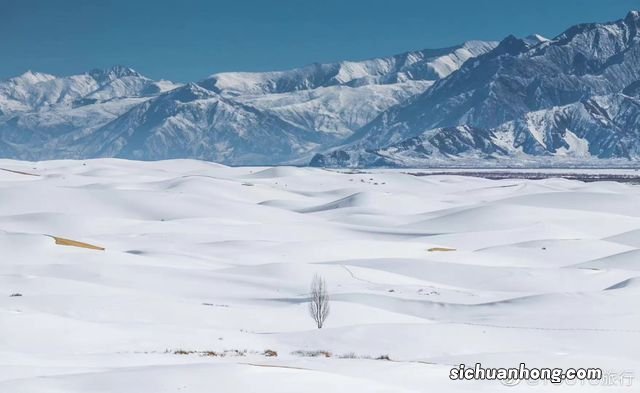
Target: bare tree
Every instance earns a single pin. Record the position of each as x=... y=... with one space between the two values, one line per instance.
x=319 y=304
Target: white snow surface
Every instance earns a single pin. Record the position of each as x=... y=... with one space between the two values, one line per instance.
x=203 y=257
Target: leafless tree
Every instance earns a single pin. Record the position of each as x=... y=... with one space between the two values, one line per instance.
x=319 y=304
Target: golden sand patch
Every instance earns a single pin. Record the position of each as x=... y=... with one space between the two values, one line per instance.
x=441 y=249
x=67 y=242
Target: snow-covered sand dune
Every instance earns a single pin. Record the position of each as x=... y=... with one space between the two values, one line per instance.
x=201 y=257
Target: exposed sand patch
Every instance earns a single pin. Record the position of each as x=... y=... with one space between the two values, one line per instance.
x=441 y=249
x=67 y=242
x=19 y=172
x=275 y=366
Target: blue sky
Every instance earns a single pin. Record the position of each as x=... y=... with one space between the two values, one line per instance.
x=185 y=40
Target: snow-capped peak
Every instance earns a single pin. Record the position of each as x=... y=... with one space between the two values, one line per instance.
x=535 y=39
x=115 y=72
x=31 y=78
x=633 y=16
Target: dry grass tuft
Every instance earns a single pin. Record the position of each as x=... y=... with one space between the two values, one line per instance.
x=312 y=354
x=231 y=352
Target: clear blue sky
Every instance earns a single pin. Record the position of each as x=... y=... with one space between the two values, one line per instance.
x=185 y=40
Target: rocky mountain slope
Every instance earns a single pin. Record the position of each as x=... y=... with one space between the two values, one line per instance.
x=573 y=96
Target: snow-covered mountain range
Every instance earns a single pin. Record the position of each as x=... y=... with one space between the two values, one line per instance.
x=235 y=118
x=574 y=97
